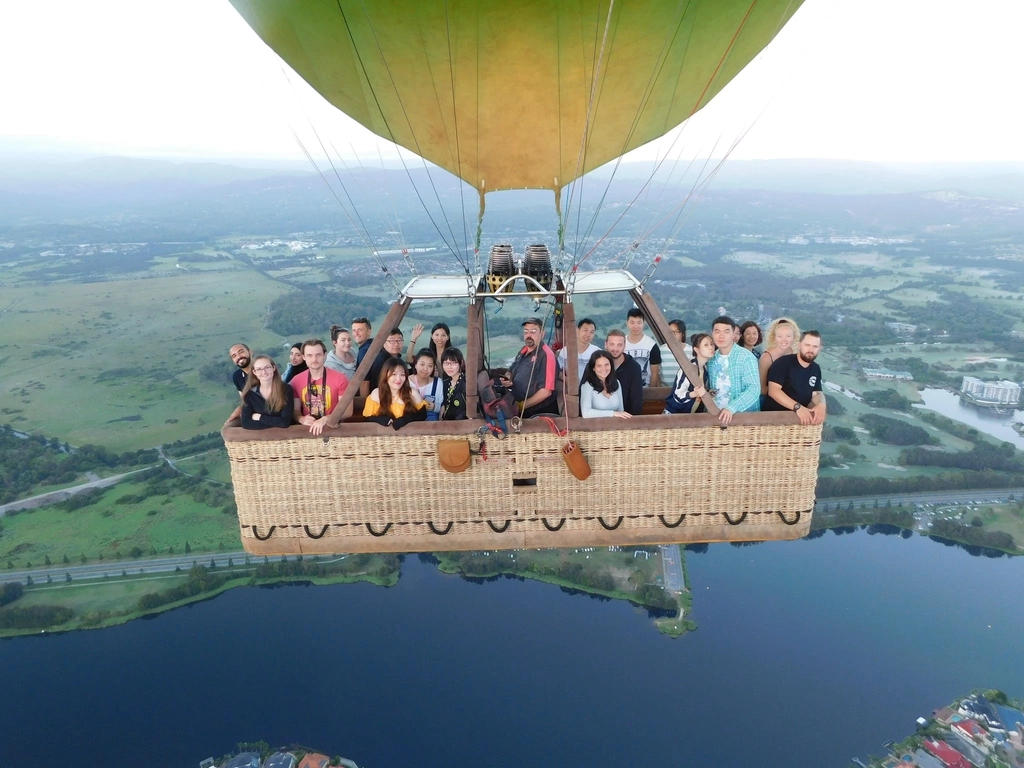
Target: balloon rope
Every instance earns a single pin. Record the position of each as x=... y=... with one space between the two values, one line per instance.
x=412 y=132
x=360 y=228
x=584 y=139
x=561 y=225
x=696 y=106
x=453 y=246
x=648 y=92
x=455 y=120
x=479 y=229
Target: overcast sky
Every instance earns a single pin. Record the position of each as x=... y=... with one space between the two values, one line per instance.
x=886 y=80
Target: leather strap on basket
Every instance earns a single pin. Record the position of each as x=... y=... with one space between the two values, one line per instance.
x=571 y=453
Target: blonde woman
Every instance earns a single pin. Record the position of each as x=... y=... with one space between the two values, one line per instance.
x=780 y=340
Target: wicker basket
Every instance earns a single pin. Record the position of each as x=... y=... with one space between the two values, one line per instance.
x=655 y=479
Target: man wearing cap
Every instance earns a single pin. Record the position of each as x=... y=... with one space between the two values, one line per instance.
x=534 y=374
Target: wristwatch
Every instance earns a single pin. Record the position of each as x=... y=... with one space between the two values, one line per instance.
x=796 y=407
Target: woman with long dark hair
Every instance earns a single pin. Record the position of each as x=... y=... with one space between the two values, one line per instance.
x=453 y=365
x=600 y=393
x=426 y=381
x=685 y=396
x=266 y=400
x=394 y=403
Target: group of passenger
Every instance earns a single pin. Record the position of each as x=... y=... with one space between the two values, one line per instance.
x=429 y=384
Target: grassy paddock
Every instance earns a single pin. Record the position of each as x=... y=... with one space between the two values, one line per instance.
x=107 y=527
x=111 y=602
x=116 y=362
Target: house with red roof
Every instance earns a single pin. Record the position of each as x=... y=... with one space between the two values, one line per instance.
x=974 y=731
x=314 y=760
x=948 y=756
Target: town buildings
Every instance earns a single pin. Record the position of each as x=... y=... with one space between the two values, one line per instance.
x=999 y=394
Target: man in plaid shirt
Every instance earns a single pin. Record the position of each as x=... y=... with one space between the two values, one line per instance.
x=733 y=373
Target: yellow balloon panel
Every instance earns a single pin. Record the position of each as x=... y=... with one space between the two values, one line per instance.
x=510 y=94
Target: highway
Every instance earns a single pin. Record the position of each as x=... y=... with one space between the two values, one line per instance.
x=979 y=496
x=152 y=565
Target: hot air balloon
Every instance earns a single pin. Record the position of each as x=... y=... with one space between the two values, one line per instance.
x=521 y=94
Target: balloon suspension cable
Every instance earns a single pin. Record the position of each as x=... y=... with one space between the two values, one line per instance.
x=696 y=106
x=458 y=148
x=581 y=156
x=452 y=246
x=701 y=184
x=360 y=228
x=648 y=92
x=393 y=226
x=479 y=232
x=363 y=235
x=561 y=226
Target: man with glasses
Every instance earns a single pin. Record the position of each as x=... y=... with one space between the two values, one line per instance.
x=318 y=389
x=533 y=377
x=733 y=373
x=392 y=348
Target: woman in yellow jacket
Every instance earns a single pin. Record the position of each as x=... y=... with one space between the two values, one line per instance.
x=394 y=403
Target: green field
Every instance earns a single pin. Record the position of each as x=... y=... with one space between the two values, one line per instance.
x=107 y=528
x=116 y=363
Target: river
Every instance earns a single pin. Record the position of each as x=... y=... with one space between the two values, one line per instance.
x=984 y=420
x=807 y=652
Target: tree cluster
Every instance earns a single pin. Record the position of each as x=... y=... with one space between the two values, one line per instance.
x=352 y=565
x=896 y=432
x=200 y=581
x=886 y=398
x=831 y=487
x=193 y=445
x=982 y=456
x=312 y=311
x=34 y=616
x=977 y=536
x=922 y=372
x=10 y=591
x=36 y=460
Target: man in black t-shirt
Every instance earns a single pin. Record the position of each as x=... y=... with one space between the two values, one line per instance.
x=241 y=356
x=627 y=372
x=794 y=382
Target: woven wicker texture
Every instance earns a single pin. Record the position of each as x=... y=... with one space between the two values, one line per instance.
x=664 y=484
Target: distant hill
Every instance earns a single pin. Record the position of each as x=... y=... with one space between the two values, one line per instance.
x=202 y=199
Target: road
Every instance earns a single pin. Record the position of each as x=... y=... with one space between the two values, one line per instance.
x=672 y=567
x=151 y=565
x=979 y=496
x=52 y=497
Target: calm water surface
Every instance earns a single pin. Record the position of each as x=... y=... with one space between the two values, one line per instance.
x=808 y=653
x=998 y=425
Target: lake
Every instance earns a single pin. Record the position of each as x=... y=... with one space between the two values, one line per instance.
x=950 y=405
x=807 y=652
